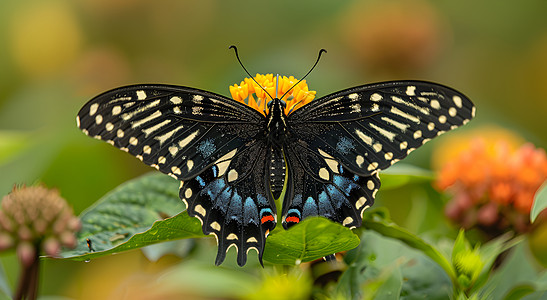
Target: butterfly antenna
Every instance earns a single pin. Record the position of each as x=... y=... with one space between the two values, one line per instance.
x=313 y=67
x=251 y=76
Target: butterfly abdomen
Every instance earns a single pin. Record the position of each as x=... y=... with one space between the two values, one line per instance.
x=277 y=172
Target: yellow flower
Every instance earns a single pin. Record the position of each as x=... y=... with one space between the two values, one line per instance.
x=251 y=94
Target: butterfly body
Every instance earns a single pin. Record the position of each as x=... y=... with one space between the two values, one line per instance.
x=234 y=161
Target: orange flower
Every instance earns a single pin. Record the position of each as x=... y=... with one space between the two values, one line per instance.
x=493 y=185
x=295 y=98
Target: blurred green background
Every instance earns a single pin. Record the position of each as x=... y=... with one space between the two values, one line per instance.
x=57 y=54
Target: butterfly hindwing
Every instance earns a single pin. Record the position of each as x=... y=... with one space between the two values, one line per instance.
x=232 y=201
x=370 y=127
x=318 y=185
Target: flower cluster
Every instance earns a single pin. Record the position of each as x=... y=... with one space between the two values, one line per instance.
x=493 y=186
x=296 y=97
x=35 y=217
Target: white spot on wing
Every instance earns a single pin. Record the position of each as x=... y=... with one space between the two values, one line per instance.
x=405 y=115
x=188 y=194
x=149 y=118
x=394 y=123
x=223 y=162
x=130 y=115
x=372 y=166
x=360 y=202
x=359 y=160
x=164 y=137
x=199 y=209
x=215 y=226
x=176 y=171
x=367 y=139
x=376 y=97
x=410 y=90
x=116 y=110
x=93 y=109
x=324 y=174
x=190 y=164
x=149 y=130
x=173 y=150
x=457 y=100
x=184 y=142
x=377 y=147
x=423 y=110
x=347 y=220
x=146 y=149
x=452 y=111
x=232 y=175
x=231 y=236
x=98 y=119
x=176 y=100
x=389 y=135
x=141 y=95
x=435 y=104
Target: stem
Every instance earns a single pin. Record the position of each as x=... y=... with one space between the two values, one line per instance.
x=28 y=281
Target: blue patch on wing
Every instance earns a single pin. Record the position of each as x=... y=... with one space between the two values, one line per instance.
x=207 y=148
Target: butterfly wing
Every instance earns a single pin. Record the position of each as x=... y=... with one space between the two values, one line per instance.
x=370 y=127
x=198 y=137
x=338 y=143
x=319 y=186
x=233 y=202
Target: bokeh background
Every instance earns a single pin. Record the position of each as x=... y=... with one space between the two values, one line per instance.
x=57 y=54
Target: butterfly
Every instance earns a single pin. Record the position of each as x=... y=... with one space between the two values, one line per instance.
x=234 y=162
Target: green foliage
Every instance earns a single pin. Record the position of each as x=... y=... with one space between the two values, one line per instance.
x=130 y=217
x=540 y=202
x=403 y=174
x=309 y=240
x=388 y=262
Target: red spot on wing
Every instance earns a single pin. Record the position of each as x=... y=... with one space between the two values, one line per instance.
x=267 y=218
x=292 y=219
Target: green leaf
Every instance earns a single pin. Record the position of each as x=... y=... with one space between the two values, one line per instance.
x=517 y=269
x=490 y=251
x=122 y=219
x=374 y=222
x=519 y=292
x=540 y=202
x=192 y=277
x=311 y=239
x=402 y=174
x=460 y=245
x=386 y=268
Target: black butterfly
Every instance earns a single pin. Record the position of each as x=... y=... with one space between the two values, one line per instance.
x=233 y=161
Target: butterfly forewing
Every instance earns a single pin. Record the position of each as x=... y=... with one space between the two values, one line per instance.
x=180 y=131
x=368 y=128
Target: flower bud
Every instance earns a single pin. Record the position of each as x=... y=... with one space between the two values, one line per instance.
x=28 y=214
